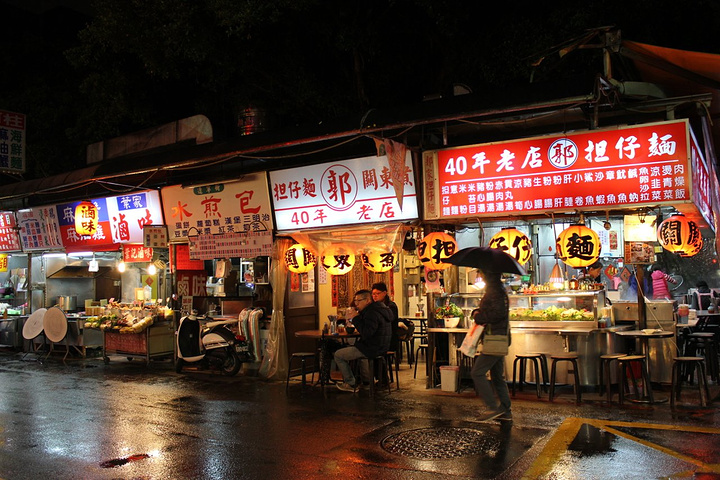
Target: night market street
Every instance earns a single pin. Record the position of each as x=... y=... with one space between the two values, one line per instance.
x=83 y=419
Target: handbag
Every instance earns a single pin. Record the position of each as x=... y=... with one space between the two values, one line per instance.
x=495 y=344
x=469 y=346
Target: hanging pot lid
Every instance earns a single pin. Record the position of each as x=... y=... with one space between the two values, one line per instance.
x=55 y=324
x=34 y=324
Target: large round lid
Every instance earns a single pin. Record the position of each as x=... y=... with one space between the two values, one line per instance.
x=34 y=324
x=55 y=324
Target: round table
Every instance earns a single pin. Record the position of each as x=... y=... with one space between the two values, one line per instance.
x=644 y=336
x=34 y=324
x=325 y=340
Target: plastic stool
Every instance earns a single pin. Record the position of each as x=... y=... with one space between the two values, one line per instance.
x=303 y=356
x=540 y=363
x=565 y=357
x=689 y=364
x=606 y=377
x=623 y=363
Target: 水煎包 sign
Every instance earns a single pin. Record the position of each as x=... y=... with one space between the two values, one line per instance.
x=12 y=142
x=346 y=192
x=223 y=208
x=599 y=169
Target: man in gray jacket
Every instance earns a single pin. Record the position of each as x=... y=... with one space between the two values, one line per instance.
x=373 y=323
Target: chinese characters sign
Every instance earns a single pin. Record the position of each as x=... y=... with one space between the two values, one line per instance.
x=701 y=183
x=231 y=245
x=9 y=240
x=12 y=142
x=39 y=229
x=344 y=193
x=631 y=166
x=235 y=207
x=120 y=220
x=137 y=253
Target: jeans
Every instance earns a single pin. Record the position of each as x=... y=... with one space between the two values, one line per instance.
x=496 y=366
x=344 y=356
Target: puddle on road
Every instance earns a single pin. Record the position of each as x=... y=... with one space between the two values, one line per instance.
x=590 y=440
x=117 y=462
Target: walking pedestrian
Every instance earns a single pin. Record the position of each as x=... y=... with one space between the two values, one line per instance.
x=493 y=312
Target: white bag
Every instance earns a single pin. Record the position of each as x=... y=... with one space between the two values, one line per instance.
x=469 y=346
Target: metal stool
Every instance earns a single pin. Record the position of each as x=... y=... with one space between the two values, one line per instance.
x=424 y=348
x=606 y=379
x=703 y=343
x=623 y=363
x=303 y=356
x=689 y=364
x=392 y=359
x=539 y=361
x=565 y=357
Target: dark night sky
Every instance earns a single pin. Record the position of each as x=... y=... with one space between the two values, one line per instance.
x=403 y=57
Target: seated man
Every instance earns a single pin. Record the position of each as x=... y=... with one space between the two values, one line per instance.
x=373 y=325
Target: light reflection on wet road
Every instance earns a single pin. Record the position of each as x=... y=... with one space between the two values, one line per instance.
x=84 y=419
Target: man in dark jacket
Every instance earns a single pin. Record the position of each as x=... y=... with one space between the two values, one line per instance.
x=373 y=325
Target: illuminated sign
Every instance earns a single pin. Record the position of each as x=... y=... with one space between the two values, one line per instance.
x=589 y=170
x=221 y=208
x=9 y=239
x=349 y=192
x=12 y=142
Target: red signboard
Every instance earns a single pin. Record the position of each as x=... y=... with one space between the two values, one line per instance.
x=590 y=170
x=701 y=183
x=137 y=253
x=9 y=238
x=181 y=259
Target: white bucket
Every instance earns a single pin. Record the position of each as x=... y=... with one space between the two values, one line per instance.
x=449 y=377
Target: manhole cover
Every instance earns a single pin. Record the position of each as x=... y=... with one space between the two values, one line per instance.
x=444 y=442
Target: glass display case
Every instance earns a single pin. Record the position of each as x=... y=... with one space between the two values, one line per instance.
x=581 y=308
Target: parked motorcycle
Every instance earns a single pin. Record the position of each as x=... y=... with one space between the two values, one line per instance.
x=213 y=344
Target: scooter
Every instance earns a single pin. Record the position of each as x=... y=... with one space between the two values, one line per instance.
x=213 y=344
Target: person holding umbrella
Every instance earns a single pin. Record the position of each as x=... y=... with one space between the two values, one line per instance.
x=493 y=312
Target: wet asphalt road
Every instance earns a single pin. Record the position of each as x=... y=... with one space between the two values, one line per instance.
x=83 y=419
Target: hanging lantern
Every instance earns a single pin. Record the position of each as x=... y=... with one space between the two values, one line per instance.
x=338 y=259
x=679 y=235
x=299 y=259
x=578 y=246
x=513 y=242
x=86 y=218
x=435 y=247
x=377 y=261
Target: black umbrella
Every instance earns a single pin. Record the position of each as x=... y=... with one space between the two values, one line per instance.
x=486 y=259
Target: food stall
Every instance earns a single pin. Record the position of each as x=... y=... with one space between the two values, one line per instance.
x=572 y=196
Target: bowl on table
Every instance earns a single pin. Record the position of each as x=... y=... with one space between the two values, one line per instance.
x=451 y=322
x=349 y=329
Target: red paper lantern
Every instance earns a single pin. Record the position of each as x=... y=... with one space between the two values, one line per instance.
x=299 y=259
x=513 y=242
x=435 y=247
x=377 y=261
x=86 y=218
x=578 y=246
x=679 y=235
x=338 y=259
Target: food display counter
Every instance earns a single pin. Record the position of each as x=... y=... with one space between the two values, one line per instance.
x=157 y=340
x=557 y=322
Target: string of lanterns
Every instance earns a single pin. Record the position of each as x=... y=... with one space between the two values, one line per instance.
x=577 y=246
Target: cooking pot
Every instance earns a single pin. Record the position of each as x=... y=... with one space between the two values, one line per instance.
x=67 y=303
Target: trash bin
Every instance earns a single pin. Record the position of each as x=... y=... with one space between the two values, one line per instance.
x=449 y=376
